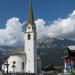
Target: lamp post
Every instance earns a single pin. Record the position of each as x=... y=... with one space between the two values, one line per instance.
x=7 y=65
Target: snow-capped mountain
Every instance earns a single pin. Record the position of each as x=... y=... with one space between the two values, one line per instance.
x=52 y=50
x=53 y=43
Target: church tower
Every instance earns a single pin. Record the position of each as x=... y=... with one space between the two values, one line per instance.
x=30 y=43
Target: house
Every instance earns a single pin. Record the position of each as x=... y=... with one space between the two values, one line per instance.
x=69 y=60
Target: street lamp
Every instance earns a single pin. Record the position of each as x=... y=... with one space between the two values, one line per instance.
x=7 y=65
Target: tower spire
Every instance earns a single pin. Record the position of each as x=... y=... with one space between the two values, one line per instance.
x=30 y=16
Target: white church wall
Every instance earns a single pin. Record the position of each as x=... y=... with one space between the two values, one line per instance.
x=18 y=59
x=30 y=50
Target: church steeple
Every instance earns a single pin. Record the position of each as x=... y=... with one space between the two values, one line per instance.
x=30 y=17
x=30 y=43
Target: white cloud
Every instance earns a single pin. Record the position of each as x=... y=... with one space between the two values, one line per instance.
x=12 y=34
x=61 y=28
x=40 y=25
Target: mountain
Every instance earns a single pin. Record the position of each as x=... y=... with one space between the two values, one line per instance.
x=51 y=50
x=53 y=43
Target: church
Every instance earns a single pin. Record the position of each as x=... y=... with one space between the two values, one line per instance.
x=25 y=60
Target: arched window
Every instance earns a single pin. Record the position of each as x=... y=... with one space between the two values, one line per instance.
x=14 y=62
x=29 y=36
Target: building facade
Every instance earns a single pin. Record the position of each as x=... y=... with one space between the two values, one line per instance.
x=69 y=60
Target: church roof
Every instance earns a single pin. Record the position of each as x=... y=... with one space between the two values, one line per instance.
x=72 y=48
x=18 y=51
x=30 y=16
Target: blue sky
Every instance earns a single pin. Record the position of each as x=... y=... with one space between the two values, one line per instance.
x=53 y=18
x=47 y=9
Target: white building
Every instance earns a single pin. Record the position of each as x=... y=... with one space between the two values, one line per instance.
x=25 y=60
x=16 y=62
x=69 y=60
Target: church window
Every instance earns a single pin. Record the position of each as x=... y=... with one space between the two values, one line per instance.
x=13 y=66
x=29 y=36
x=23 y=65
x=14 y=62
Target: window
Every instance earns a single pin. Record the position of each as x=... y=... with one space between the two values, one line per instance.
x=13 y=66
x=23 y=65
x=29 y=36
x=14 y=62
